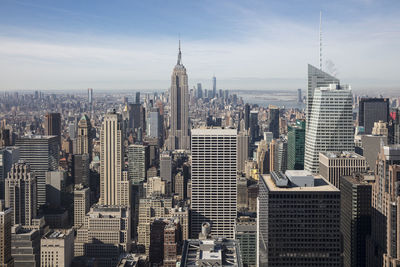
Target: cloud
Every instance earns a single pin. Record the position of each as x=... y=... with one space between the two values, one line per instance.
x=261 y=53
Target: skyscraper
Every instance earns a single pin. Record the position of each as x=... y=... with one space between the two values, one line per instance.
x=316 y=78
x=299 y=96
x=84 y=140
x=214 y=188
x=330 y=124
x=81 y=204
x=372 y=110
x=138 y=162
x=155 y=124
x=246 y=116
x=111 y=156
x=273 y=119
x=20 y=194
x=296 y=143
x=52 y=125
x=41 y=153
x=199 y=91
x=5 y=236
x=90 y=98
x=137 y=99
x=214 y=79
x=179 y=120
x=254 y=127
x=292 y=229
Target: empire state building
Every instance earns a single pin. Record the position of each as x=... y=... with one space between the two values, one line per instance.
x=179 y=116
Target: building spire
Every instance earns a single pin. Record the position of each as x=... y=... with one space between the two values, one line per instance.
x=179 y=54
x=320 y=40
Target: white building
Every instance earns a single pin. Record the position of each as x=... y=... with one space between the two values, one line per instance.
x=214 y=186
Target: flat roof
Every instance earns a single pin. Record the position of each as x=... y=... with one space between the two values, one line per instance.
x=214 y=131
x=342 y=154
x=320 y=185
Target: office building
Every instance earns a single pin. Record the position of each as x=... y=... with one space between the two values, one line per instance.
x=90 y=98
x=57 y=248
x=111 y=158
x=246 y=235
x=20 y=194
x=380 y=128
x=179 y=97
x=138 y=162
x=137 y=98
x=199 y=91
x=52 y=126
x=299 y=96
x=292 y=230
x=214 y=91
x=372 y=110
x=41 y=153
x=155 y=186
x=81 y=204
x=316 y=79
x=334 y=165
x=136 y=115
x=56 y=182
x=246 y=116
x=180 y=186
x=355 y=223
x=371 y=145
x=25 y=246
x=155 y=123
x=8 y=156
x=254 y=127
x=242 y=150
x=273 y=119
x=172 y=243
x=80 y=169
x=166 y=166
x=211 y=252
x=84 y=138
x=296 y=145
x=214 y=189
x=330 y=124
x=5 y=236
x=105 y=235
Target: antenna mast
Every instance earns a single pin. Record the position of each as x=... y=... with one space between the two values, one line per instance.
x=320 y=40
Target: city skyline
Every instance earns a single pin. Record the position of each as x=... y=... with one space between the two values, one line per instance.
x=262 y=47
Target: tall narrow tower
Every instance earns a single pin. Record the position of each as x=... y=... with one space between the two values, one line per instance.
x=179 y=120
x=84 y=141
x=111 y=158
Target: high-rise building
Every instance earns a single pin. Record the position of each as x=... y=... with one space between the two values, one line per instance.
x=242 y=150
x=81 y=204
x=136 y=113
x=57 y=248
x=380 y=128
x=246 y=116
x=330 y=124
x=111 y=158
x=334 y=165
x=20 y=194
x=254 y=127
x=246 y=234
x=41 y=153
x=84 y=139
x=299 y=96
x=138 y=162
x=56 y=182
x=273 y=120
x=179 y=119
x=292 y=230
x=199 y=91
x=80 y=169
x=155 y=124
x=25 y=246
x=166 y=166
x=355 y=222
x=5 y=236
x=382 y=244
x=296 y=143
x=137 y=99
x=372 y=110
x=52 y=125
x=172 y=243
x=214 y=91
x=8 y=156
x=316 y=79
x=90 y=98
x=214 y=188
x=105 y=234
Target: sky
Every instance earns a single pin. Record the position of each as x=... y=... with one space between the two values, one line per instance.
x=252 y=44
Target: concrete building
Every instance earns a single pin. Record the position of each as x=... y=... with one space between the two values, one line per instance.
x=138 y=162
x=380 y=128
x=330 y=124
x=56 y=187
x=81 y=204
x=292 y=230
x=214 y=188
x=242 y=150
x=25 y=246
x=111 y=157
x=334 y=165
x=5 y=236
x=84 y=139
x=371 y=145
x=52 y=126
x=105 y=235
x=355 y=223
x=8 y=156
x=155 y=186
x=80 y=169
x=179 y=136
x=20 y=195
x=42 y=155
x=57 y=248
x=273 y=119
x=166 y=166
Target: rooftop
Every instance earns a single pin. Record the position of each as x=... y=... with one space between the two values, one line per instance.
x=214 y=131
x=342 y=154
